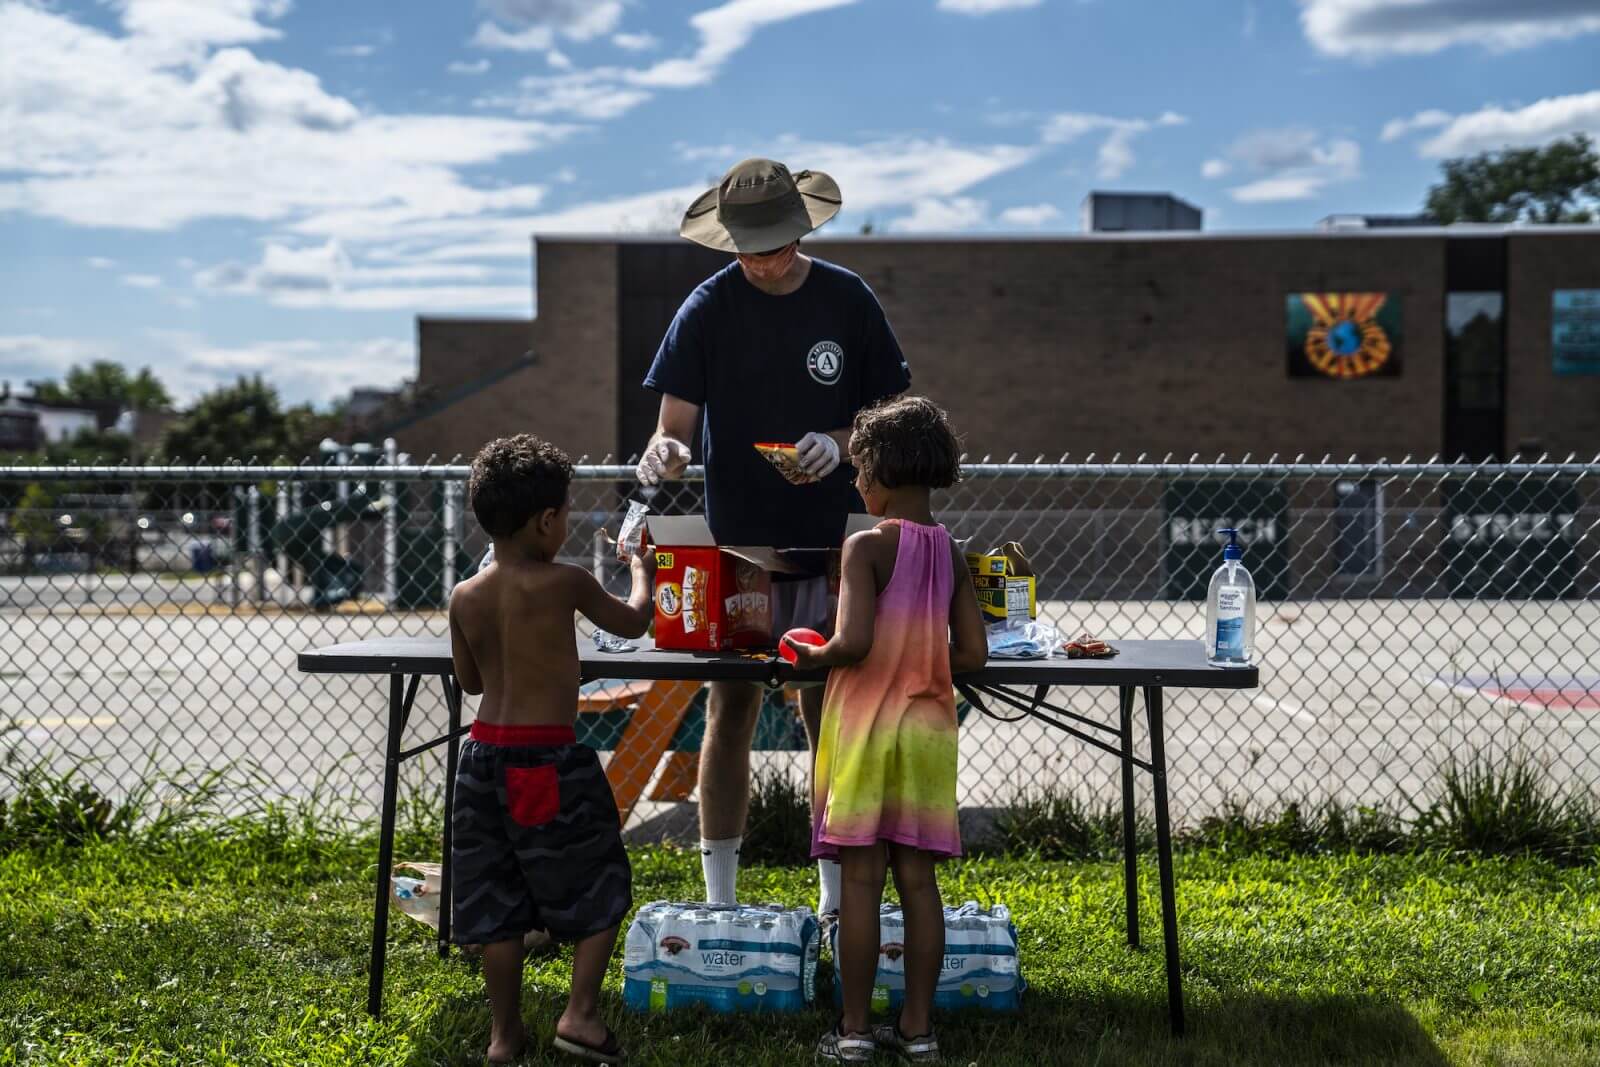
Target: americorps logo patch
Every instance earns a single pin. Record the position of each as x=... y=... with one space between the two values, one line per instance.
x=825 y=361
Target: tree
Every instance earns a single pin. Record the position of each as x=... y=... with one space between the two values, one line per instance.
x=105 y=382
x=1557 y=183
x=244 y=421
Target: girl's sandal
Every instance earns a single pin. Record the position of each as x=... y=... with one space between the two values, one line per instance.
x=923 y=1049
x=836 y=1046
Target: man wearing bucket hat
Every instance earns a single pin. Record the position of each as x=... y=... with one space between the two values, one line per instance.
x=775 y=347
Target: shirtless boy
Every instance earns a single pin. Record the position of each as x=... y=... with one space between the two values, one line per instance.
x=537 y=839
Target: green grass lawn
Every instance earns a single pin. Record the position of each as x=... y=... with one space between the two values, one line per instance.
x=254 y=951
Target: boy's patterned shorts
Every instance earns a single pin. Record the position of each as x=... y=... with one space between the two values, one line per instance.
x=537 y=843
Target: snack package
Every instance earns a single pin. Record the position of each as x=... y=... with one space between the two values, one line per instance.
x=787 y=459
x=630 y=538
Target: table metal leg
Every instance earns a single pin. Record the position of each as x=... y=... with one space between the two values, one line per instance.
x=452 y=699
x=1130 y=847
x=1169 y=907
x=391 y=782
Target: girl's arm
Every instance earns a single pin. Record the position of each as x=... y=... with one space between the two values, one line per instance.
x=858 y=607
x=969 y=642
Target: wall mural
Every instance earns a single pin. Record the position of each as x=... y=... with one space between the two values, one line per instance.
x=1343 y=335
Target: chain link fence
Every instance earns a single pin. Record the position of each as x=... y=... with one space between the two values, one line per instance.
x=1410 y=613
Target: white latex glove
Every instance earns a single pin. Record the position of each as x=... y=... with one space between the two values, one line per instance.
x=818 y=454
x=664 y=460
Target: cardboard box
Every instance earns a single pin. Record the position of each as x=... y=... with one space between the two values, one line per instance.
x=717 y=598
x=1005 y=583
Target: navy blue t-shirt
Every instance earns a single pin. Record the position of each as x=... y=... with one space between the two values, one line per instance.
x=769 y=368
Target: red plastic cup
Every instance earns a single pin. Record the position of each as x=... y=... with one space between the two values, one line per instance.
x=800 y=636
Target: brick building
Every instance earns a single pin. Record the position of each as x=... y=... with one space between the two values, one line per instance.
x=1137 y=343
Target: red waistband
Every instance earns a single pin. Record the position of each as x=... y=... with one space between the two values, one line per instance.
x=523 y=735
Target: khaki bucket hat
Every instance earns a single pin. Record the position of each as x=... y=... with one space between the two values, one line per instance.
x=760 y=207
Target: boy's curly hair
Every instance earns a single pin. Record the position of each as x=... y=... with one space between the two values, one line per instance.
x=514 y=479
x=906 y=442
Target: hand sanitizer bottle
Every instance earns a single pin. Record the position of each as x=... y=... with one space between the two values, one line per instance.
x=1231 y=610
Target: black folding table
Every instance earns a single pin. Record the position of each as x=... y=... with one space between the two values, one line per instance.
x=1011 y=690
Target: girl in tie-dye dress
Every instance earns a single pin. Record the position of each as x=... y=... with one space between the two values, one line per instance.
x=884 y=792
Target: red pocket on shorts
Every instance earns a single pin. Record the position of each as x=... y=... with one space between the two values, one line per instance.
x=534 y=794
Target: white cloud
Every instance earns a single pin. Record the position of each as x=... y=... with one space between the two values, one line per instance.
x=281 y=268
x=1494 y=127
x=32 y=357
x=558 y=60
x=985 y=7
x=315 y=370
x=541 y=20
x=602 y=93
x=899 y=171
x=934 y=215
x=246 y=139
x=140 y=281
x=1030 y=215
x=531 y=39
x=1411 y=27
x=240 y=137
x=586 y=94
x=578 y=19
x=322 y=276
x=479 y=67
x=1272 y=190
x=1116 y=151
x=354 y=51
x=100 y=262
x=1292 y=163
x=876 y=176
x=635 y=42
x=724 y=31
x=1395 y=129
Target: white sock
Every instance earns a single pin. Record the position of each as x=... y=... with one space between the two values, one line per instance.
x=828 y=879
x=720 y=862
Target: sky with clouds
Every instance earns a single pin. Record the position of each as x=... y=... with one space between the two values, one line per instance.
x=226 y=187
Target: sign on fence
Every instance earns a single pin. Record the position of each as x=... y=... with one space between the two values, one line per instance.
x=1195 y=512
x=1512 y=538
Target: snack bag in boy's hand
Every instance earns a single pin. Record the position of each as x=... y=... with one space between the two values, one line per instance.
x=630 y=538
x=787 y=459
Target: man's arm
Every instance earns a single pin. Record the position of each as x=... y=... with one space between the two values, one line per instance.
x=467 y=672
x=668 y=452
x=630 y=618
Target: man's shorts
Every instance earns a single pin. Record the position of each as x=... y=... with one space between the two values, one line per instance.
x=537 y=840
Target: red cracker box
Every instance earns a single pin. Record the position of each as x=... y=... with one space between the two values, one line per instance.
x=708 y=599
x=717 y=598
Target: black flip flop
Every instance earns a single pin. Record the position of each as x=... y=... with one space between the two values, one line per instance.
x=608 y=1052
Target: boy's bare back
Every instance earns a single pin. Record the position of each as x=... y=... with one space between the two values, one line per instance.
x=514 y=621
x=511 y=625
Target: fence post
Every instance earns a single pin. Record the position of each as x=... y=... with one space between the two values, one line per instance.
x=281 y=510
x=296 y=495
x=258 y=559
x=391 y=531
x=449 y=538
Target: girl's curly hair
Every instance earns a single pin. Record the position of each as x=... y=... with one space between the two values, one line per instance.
x=906 y=442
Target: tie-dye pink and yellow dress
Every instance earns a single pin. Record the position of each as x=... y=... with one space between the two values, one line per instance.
x=886 y=752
